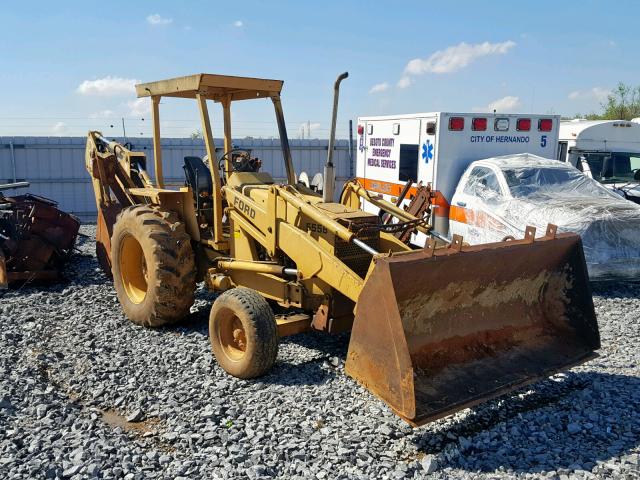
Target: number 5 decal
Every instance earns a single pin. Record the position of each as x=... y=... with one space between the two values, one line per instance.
x=543 y=141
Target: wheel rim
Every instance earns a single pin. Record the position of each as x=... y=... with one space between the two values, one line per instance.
x=233 y=338
x=133 y=269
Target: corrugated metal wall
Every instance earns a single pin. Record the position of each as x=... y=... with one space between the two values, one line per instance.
x=55 y=165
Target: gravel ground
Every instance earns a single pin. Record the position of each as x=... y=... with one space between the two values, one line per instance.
x=84 y=393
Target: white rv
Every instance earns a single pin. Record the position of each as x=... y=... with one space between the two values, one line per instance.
x=437 y=147
x=605 y=150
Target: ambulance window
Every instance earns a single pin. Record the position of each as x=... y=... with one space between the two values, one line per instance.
x=562 y=151
x=408 y=162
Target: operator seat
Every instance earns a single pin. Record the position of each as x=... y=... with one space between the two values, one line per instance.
x=198 y=177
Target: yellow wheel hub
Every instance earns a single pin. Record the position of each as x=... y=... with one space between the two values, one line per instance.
x=133 y=269
x=232 y=337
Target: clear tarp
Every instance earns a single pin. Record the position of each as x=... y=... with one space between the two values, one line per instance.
x=504 y=194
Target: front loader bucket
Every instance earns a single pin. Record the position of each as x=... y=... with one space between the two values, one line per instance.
x=439 y=331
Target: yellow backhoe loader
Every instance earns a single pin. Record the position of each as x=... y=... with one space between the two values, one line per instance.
x=432 y=330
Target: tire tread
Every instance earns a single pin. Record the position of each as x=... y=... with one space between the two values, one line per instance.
x=261 y=321
x=173 y=256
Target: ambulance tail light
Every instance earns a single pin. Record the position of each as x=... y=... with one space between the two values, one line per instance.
x=545 y=124
x=360 y=129
x=523 y=124
x=479 y=124
x=456 y=123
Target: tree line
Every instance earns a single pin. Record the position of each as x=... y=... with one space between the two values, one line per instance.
x=623 y=103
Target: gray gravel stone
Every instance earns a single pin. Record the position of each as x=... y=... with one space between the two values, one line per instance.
x=429 y=464
x=136 y=416
x=71 y=471
x=574 y=428
x=41 y=410
x=93 y=470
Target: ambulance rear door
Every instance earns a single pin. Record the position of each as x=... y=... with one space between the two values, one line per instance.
x=392 y=154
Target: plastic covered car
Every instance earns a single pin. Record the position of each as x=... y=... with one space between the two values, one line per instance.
x=497 y=198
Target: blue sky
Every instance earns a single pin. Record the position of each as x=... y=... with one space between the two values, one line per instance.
x=69 y=66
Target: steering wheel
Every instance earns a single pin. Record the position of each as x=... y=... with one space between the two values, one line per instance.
x=636 y=173
x=241 y=161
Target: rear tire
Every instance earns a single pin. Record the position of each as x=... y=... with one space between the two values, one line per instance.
x=153 y=266
x=243 y=333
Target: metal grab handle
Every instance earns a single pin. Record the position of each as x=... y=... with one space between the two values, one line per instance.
x=461 y=204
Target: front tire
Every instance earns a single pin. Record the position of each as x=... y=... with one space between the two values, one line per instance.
x=243 y=333
x=153 y=266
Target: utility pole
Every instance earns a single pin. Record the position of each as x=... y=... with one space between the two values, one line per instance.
x=350 y=148
x=124 y=131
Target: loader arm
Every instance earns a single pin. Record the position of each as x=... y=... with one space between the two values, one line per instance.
x=300 y=229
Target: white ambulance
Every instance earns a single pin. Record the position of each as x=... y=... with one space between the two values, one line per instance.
x=435 y=148
x=606 y=150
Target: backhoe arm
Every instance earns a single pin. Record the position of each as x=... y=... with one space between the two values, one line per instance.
x=114 y=169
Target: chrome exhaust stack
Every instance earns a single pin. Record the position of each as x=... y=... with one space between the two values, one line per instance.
x=328 y=189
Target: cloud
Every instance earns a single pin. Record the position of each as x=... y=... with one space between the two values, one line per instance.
x=452 y=59
x=156 y=19
x=103 y=114
x=596 y=93
x=379 y=87
x=404 y=82
x=59 y=128
x=108 y=86
x=502 y=105
x=238 y=23
x=139 y=106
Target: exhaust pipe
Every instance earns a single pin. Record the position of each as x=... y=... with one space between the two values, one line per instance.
x=329 y=186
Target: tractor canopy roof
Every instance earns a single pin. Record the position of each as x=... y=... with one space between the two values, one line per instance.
x=214 y=87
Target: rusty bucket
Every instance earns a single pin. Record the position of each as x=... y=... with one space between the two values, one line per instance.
x=439 y=330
